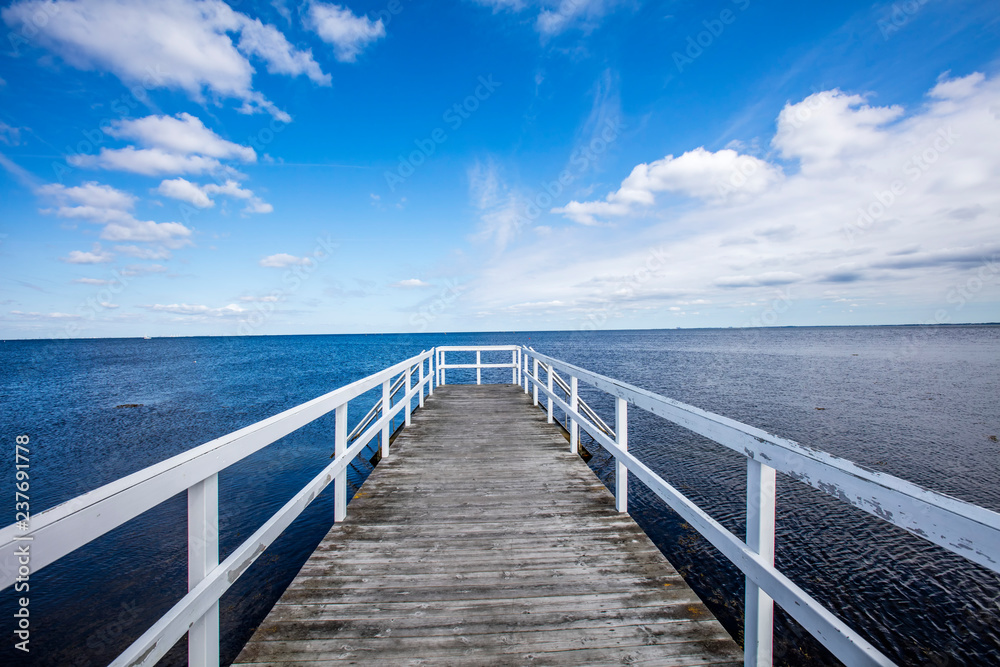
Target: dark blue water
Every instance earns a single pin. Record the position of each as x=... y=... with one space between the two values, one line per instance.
x=919 y=403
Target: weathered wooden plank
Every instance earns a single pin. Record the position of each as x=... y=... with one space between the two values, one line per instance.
x=482 y=540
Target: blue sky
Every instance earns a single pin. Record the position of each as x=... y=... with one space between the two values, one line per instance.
x=197 y=167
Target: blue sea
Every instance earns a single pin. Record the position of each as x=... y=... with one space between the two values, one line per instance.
x=920 y=403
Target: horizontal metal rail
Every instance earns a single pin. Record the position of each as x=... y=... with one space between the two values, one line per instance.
x=376 y=409
x=584 y=408
x=514 y=364
x=964 y=528
x=66 y=527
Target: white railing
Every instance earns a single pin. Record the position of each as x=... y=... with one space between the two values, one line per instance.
x=582 y=407
x=66 y=527
x=963 y=528
x=514 y=364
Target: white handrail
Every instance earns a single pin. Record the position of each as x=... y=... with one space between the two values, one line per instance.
x=965 y=529
x=66 y=527
x=514 y=364
x=582 y=405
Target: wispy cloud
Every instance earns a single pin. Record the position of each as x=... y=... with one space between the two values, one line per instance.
x=553 y=17
x=501 y=208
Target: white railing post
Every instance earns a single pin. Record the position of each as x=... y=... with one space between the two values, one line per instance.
x=549 y=367
x=442 y=369
x=513 y=367
x=386 y=428
x=340 y=481
x=409 y=399
x=758 y=615
x=420 y=383
x=431 y=373
x=203 y=557
x=534 y=384
x=479 y=371
x=574 y=404
x=522 y=368
x=621 y=438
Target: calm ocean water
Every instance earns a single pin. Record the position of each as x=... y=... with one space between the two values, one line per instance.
x=919 y=403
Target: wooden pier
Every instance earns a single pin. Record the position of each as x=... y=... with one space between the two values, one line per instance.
x=482 y=540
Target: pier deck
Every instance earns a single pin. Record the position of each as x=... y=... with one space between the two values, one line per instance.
x=482 y=540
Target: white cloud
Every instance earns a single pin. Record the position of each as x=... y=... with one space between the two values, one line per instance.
x=957 y=89
x=143 y=253
x=183 y=45
x=146 y=161
x=337 y=25
x=186 y=191
x=257 y=205
x=284 y=260
x=713 y=177
x=91 y=194
x=828 y=129
x=410 y=283
x=269 y=44
x=103 y=204
x=93 y=281
x=95 y=256
x=183 y=134
x=198 y=195
x=890 y=209
x=170 y=234
x=230 y=188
